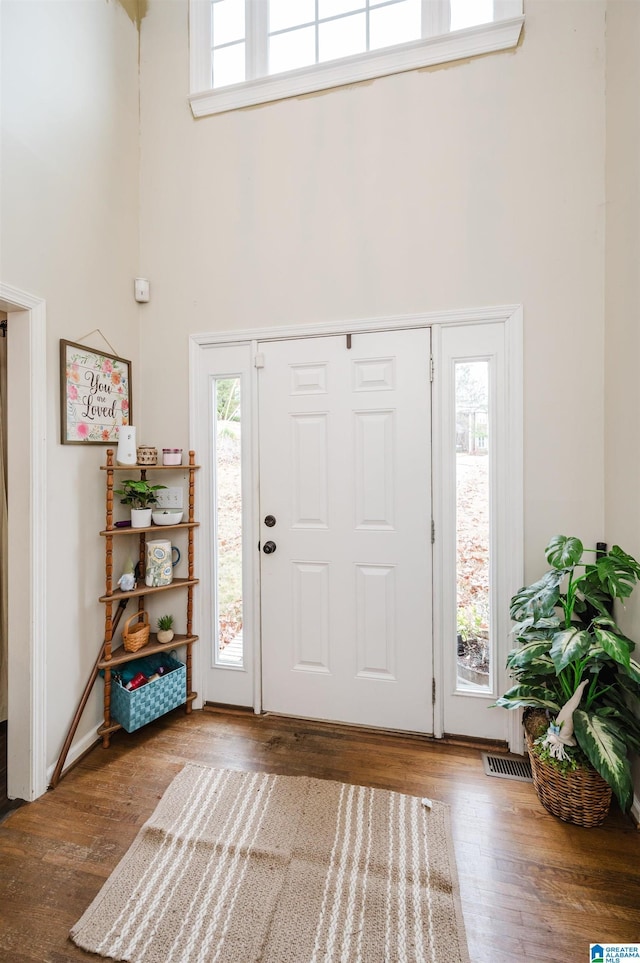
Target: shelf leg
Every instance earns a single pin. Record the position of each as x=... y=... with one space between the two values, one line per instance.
x=107 y=708
x=188 y=673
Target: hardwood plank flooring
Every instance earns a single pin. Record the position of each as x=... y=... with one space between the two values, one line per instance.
x=532 y=887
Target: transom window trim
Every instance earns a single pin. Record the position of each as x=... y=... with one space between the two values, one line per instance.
x=501 y=34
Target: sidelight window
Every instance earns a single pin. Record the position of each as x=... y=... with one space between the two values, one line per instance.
x=473 y=531
x=478 y=513
x=227 y=447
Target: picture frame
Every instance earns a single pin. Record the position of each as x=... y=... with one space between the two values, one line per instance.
x=95 y=395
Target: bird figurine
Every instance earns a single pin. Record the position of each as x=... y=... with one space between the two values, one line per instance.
x=560 y=733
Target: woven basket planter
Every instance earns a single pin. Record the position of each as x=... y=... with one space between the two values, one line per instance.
x=136 y=635
x=581 y=797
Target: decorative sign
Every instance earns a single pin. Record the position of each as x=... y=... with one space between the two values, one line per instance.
x=95 y=395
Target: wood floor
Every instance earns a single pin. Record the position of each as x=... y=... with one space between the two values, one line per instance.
x=532 y=888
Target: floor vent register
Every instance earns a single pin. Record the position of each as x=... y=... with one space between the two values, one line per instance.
x=507 y=766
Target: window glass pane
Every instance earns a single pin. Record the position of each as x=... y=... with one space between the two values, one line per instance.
x=398 y=23
x=228 y=65
x=290 y=13
x=290 y=50
x=472 y=523
x=332 y=8
x=342 y=38
x=468 y=13
x=228 y=520
x=228 y=21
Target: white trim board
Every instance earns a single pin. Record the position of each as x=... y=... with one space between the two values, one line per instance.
x=504 y=312
x=27 y=645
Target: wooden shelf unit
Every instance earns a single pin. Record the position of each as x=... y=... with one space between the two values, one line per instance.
x=135 y=593
x=113 y=657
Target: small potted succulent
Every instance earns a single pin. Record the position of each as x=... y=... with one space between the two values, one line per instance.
x=575 y=673
x=141 y=496
x=165 y=628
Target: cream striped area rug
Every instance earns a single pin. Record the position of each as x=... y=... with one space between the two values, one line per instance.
x=238 y=867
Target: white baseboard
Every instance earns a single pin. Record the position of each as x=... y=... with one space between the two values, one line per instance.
x=77 y=749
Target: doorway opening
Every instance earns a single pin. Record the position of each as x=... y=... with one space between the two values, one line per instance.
x=26 y=504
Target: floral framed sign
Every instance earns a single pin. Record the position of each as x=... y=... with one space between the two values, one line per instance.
x=95 y=395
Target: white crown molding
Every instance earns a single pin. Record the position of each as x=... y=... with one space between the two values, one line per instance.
x=458 y=45
x=28 y=635
x=500 y=313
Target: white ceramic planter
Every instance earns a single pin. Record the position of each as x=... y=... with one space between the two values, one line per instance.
x=140 y=517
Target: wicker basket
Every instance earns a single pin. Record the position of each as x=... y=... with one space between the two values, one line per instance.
x=134 y=708
x=581 y=797
x=134 y=637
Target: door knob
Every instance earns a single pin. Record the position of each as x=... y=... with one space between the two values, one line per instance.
x=269 y=548
x=270 y=520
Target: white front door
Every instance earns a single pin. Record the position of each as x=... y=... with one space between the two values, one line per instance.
x=345 y=508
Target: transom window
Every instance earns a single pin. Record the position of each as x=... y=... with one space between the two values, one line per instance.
x=251 y=51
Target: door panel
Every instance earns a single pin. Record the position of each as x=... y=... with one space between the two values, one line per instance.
x=345 y=469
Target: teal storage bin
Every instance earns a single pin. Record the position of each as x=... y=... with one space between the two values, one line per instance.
x=135 y=708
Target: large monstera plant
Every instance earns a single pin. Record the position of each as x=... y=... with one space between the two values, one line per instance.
x=567 y=635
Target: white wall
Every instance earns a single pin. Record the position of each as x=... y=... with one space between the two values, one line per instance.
x=69 y=234
x=622 y=455
x=476 y=184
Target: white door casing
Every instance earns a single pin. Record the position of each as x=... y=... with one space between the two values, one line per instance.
x=510 y=506
x=345 y=469
x=27 y=497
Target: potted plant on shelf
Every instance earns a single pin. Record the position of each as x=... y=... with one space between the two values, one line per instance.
x=165 y=628
x=141 y=496
x=576 y=677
